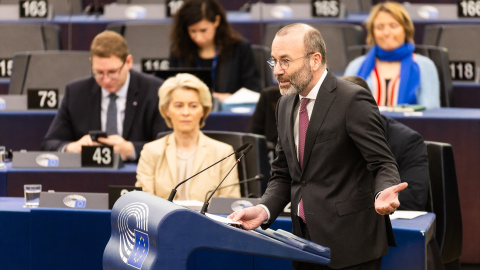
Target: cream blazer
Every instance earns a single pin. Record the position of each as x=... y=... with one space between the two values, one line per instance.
x=157 y=169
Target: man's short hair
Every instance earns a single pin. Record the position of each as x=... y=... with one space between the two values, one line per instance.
x=313 y=40
x=109 y=43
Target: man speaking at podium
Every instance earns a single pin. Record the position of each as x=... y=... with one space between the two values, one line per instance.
x=116 y=99
x=333 y=162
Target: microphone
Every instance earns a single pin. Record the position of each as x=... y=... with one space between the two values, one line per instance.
x=174 y=190
x=205 y=204
x=257 y=177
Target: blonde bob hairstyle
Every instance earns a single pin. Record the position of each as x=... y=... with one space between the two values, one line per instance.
x=398 y=13
x=186 y=81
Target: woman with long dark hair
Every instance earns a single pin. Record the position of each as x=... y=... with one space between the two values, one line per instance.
x=201 y=37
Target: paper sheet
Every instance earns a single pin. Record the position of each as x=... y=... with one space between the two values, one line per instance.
x=243 y=95
x=406 y=214
x=221 y=219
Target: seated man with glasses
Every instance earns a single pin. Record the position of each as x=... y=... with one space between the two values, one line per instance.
x=116 y=99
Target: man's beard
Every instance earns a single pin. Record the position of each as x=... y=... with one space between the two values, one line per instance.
x=298 y=81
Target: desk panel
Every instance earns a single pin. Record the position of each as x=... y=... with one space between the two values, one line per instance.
x=67 y=180
x=75 y=239
x=466 y=95
x=25 y=130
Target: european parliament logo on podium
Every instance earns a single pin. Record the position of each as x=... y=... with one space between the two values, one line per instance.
x=133 y=221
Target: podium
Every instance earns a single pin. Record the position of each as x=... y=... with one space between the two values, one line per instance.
x=148 y=232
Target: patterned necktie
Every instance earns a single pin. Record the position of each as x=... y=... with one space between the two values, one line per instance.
x=302 y=132
x=112 y=115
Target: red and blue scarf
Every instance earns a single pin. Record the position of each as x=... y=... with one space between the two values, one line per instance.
x=409 y=70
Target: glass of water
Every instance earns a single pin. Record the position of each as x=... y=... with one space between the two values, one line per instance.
x=32 y=195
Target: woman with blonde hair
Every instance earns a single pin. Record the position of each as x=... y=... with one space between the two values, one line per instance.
x=395 y=74
x=185 y=102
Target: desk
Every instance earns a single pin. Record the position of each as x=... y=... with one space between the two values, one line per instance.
x=460 y=128
x=457 y=126
x=75 y=239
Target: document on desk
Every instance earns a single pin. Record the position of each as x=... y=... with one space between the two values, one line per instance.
x=242 y=96
x=223 y=220
x=403 y=214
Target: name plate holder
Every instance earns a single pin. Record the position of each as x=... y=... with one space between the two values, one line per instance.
x=53 y=160
x=267 y=11
x=13 y=12
x=117 y=11
x=13 y=103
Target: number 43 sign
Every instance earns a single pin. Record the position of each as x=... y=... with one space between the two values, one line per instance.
x=97 y=156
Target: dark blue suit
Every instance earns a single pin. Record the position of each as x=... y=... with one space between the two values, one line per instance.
x=80 y=112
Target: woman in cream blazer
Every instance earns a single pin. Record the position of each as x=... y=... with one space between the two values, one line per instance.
x=185 y=102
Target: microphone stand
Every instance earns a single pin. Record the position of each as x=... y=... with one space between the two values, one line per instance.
x=206 y=203
x=174 y=190
x=256 y=178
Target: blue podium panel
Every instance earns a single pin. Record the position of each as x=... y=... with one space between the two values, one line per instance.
x=219 y=260
x=170 y=235
x=73 y=239
x=412 y=237
x=15 y=240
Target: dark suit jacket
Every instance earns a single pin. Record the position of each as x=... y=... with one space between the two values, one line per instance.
x=235 y=69
x=80 y=112
x=406 y=145
x=346 y=162
x=409 y=150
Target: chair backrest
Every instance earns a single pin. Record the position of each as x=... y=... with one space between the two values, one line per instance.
x=338 y=37
x=458 y=39
x=19 y=37
x=262 y=54
x=254 y=163
x=145 y=40
x=439 y=56
x=444 y=200
x=48 y=69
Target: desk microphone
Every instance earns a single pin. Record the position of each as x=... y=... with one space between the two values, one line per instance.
x=174 y=190
x=257 y=177
x=205 y=204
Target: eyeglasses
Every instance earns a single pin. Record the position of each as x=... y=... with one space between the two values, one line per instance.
x=284 y=63
x=112 y=74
